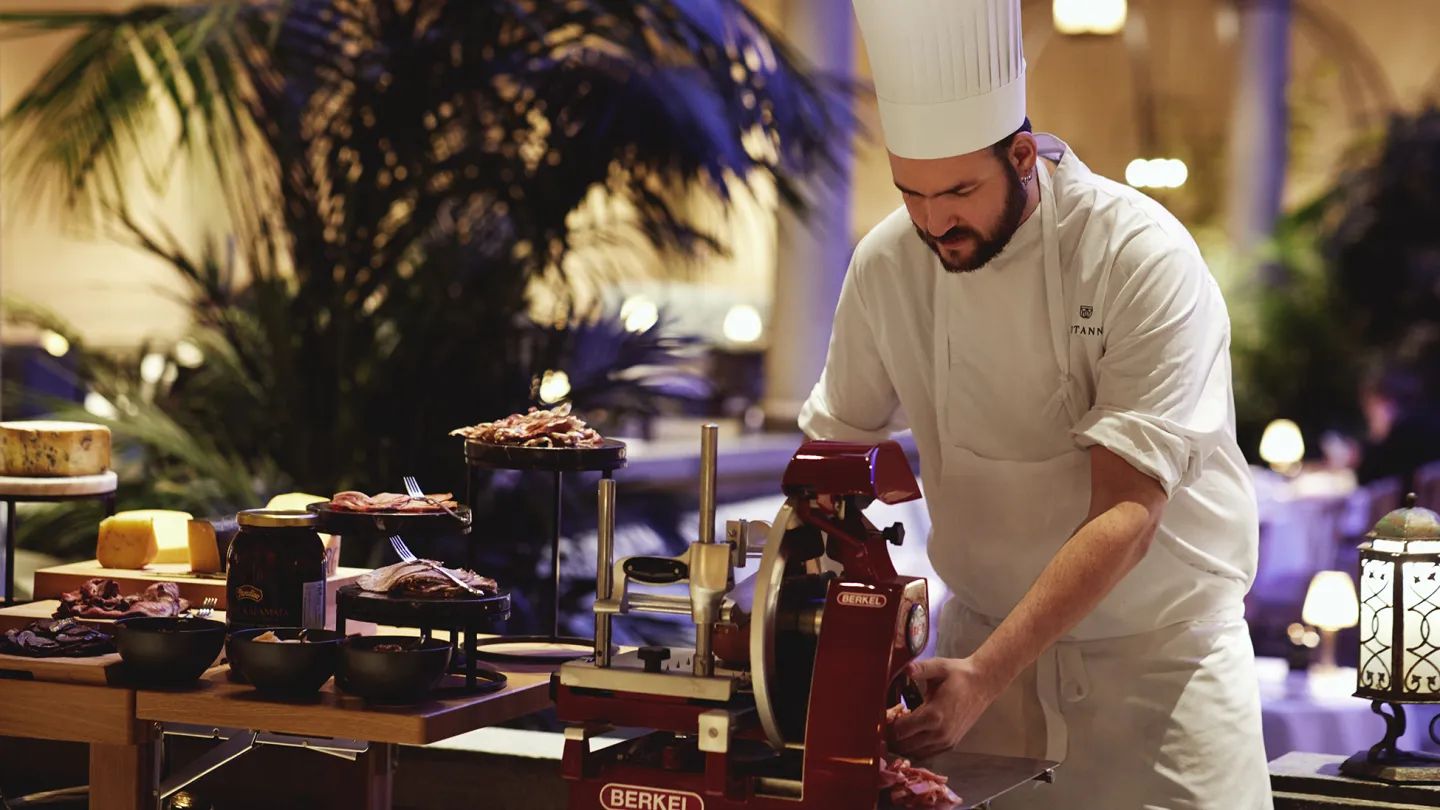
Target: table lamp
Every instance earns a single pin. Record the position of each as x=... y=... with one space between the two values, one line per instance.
x=1282 y=446
x=1330 y=606
x=1399 y=638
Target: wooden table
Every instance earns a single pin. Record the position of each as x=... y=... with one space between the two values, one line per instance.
x=124 y=751
x=218 y=702
x=123 y=726
x=1313 y=781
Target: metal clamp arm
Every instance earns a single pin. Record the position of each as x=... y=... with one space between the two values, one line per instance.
x=238 y=742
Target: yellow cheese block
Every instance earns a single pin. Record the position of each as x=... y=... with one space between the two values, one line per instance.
x=296 y=501
x=172 y=533
x=204 y=547
x=126 y=542
x=42 y=449
x=209 y=539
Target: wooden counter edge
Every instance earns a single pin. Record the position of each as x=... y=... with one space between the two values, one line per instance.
x=323 y=720
x=46 y=710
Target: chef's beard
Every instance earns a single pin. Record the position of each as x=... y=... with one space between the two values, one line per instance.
x=987 y=246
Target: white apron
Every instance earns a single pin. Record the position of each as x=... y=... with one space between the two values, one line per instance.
x=1166 y=719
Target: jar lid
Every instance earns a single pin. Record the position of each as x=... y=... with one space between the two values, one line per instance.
x=277 y=518
x=1408 y=523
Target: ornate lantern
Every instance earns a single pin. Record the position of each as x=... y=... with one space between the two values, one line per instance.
x=1399 y=638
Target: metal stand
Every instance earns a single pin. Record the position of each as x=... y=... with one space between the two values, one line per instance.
x=1385 y=761
x=557 y=461
x=7 y=582
x=463 y=617
x=237 y=743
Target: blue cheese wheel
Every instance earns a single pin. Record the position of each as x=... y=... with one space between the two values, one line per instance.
x=53 y=449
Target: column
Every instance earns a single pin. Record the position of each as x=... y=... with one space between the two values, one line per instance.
x=1259 y=125
x=812 y=253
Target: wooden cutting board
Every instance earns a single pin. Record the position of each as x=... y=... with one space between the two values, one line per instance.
x=51 y=582
x=100 y=670
x=16 y=617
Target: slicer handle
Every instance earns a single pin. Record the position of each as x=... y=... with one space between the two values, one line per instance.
x=912 y=695
x=656 y=570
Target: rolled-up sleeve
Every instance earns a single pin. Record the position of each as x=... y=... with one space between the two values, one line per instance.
x=1162 y=397
x=855 y=400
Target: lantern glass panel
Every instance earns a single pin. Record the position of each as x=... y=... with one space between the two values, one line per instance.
x=1422 y=628
x=1388 y=546
x=1377 y=622
x=1423 y=547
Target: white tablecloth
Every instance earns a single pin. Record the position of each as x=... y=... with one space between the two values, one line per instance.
x=1317 y=713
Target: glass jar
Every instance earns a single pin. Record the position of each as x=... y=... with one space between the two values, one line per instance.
x=275 y=571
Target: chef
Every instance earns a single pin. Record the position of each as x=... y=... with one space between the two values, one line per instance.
x=1060 y=352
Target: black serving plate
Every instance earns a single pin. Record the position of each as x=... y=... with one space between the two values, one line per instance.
x=357 y=604
x=394 y=677
x=291 y=670
x=409 y=524
x=610 y=455
x=169 y=650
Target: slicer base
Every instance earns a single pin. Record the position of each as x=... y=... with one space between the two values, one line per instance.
x=614 y=785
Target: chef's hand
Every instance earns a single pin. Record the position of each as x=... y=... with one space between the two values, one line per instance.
x=957 y=692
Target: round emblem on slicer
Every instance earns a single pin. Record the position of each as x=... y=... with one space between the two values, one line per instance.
x=917 y=629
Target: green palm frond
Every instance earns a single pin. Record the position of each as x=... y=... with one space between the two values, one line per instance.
x=435 y=104
x=398 y=175
x=135 y=91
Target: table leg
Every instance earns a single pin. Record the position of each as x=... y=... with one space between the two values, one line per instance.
x=470 y=657
x=379 y=775
x=124 y=777
x=555 y=556
x=8 y=595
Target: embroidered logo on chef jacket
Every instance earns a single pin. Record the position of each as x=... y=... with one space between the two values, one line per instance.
x=1086 y=312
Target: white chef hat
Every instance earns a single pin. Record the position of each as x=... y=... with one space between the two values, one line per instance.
x=949 y=74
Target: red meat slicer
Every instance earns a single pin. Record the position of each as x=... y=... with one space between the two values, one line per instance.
x=782 y=702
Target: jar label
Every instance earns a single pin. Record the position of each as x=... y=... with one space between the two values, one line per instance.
x=313 y=610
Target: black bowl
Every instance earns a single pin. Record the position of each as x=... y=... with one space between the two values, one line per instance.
x=384 y=676
x=168 y=650
x=285 y=669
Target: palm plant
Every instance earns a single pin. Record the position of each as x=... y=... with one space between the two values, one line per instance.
x=398 y=176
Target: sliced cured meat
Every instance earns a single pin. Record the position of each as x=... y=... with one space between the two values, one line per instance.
x=56 y=638
x=904 y=785
x=101 y=599
x=420 y=579
x=555 y=427
x=391 y=502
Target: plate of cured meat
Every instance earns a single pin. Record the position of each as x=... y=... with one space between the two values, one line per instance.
x=388 y=513
x=101 y=599
x=553 y=440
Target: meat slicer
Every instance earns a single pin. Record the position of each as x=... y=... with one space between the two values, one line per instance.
x=782 y=701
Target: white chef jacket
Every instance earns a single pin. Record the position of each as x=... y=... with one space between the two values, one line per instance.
x=1143 y=334
x=1098 y=325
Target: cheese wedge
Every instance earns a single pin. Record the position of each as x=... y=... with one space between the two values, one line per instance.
x=42 y=449
x=172 y=534
x=209 y=539
x=126 y=542
x=295 y=501
x=299 y=501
